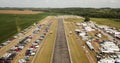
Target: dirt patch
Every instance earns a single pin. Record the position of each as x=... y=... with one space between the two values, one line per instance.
x=19 y=12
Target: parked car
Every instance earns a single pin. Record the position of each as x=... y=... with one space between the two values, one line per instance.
x=22 y=61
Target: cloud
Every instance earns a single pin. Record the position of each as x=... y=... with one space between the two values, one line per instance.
x=60 y=3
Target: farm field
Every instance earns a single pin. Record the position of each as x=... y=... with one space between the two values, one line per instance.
x=19 y=12
x=9 y=23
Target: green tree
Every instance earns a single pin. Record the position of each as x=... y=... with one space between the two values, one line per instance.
x=87 y=19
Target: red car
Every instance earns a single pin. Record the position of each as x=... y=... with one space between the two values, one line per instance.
x=11 y=38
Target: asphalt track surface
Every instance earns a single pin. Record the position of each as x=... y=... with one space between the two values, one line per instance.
x=61 y=53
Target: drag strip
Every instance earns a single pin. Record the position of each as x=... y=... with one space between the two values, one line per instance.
x=61 y=53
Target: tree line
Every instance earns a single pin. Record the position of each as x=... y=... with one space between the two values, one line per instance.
x=90 y=12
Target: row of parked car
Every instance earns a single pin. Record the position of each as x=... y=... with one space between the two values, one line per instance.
x=31 y=51
x=10 y=55
x=36 y=31
x=110 y=30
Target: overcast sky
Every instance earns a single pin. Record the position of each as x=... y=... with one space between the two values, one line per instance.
x=60 y=3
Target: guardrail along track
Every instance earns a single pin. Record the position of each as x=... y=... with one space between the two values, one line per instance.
x=61 y=53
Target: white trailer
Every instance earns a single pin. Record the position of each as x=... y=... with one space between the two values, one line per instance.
x=90 y=45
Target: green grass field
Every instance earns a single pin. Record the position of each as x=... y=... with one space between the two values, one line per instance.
x=73 y=20
x=8 y=23
x=107 y=21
